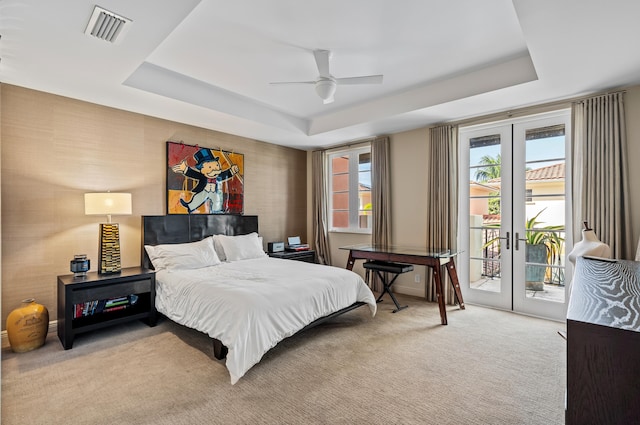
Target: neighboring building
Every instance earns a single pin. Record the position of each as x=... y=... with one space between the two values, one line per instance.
x=544 y=192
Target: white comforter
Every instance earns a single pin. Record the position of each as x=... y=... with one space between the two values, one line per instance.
x=251 y=305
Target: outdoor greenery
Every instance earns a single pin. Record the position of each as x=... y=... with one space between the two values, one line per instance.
x=490 y=169
x=543 y=235
x=551 y=238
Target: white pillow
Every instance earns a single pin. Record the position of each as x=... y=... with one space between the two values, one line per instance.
x=217 y=245
x=192 y=255
x=242 y=247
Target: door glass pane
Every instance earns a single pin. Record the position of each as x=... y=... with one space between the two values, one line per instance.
x=484 y=213
x=545 y=213
x=364 y=191
x=340 y=191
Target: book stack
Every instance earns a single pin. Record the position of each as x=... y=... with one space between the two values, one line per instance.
x=90 y=308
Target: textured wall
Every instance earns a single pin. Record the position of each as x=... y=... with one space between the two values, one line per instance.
x=54 y=149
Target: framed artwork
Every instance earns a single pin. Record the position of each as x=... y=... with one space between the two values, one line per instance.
x=204 y=180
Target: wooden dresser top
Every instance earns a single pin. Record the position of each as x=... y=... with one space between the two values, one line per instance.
x=606 y=292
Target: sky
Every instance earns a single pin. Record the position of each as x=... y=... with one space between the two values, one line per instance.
x=551 y=149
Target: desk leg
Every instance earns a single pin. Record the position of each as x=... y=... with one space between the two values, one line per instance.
x=453 y=275
x=437 y=281
x=350 y=261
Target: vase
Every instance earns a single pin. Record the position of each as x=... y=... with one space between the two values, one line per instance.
x=536 y=254
x=27 y=326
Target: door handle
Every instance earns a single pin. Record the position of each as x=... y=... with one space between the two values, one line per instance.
x=507 y=238
x=518 y=239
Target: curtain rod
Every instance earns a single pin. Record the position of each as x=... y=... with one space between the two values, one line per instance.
x=351 y=144
x=525 y=110
x=581 y=100
x=543 y=107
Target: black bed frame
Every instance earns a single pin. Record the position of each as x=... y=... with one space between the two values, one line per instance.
x=183 y=228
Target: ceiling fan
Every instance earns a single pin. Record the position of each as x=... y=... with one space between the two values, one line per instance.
x=326 y=83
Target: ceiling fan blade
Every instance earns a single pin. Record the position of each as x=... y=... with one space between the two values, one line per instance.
x=326 y=83
x=365 y=79
x=322 y=60
x=293 y=82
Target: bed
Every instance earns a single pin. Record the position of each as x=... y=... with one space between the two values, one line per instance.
x=213 y=276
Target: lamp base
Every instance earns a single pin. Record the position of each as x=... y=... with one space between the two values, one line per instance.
x=109 y=249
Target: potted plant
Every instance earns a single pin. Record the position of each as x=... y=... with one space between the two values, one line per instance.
x=544 y=245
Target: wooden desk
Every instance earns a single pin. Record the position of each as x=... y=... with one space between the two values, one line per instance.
x=434 y=259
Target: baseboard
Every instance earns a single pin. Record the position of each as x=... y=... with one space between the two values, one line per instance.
x=53 y=327
x=409 y=290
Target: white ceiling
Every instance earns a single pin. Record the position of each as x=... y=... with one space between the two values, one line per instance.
x=209 y=62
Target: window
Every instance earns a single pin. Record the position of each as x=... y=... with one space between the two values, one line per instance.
x=529 y=195
x=350 y=190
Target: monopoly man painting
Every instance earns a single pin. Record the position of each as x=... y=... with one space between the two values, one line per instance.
x=204 y=180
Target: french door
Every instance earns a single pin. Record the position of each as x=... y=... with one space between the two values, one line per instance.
x=514 y=212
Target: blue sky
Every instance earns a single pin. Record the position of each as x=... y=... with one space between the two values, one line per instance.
x=550 y=148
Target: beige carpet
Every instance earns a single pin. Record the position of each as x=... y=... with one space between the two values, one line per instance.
x=485 y=367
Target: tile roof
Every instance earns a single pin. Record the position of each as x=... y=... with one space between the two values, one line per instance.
x=491 y=219
x=550 y=172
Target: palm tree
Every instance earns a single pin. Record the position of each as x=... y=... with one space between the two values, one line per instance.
x=491 y=169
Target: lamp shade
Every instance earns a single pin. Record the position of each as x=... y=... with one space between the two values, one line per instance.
x=108 y=203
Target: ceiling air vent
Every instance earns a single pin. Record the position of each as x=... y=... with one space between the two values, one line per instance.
x=107 y=25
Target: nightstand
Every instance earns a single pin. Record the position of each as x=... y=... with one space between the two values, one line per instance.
x=307 y=256
x=82 y=305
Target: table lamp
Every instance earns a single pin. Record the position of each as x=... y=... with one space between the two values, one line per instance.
x=108 y=204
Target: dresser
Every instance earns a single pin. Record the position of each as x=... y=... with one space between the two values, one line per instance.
x=603 y=343
x=308 y=256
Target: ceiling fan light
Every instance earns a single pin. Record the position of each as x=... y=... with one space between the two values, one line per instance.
x=325 y=88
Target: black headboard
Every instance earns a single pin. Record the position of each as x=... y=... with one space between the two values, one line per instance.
x=182 y=228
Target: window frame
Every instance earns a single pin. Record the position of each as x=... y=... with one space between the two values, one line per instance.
x=354 y=205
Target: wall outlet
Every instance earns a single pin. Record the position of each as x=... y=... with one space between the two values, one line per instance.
x=416 y=278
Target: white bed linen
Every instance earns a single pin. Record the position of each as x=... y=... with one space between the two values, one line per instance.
x=251 y=305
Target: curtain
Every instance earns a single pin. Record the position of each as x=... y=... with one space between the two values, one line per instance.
x=318 y=204
x=381 y=198
x=442 y=213
x=600 y=172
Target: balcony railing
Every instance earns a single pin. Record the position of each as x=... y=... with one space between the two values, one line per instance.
x=491 y=257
